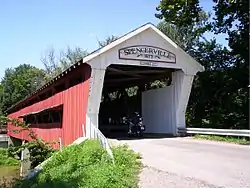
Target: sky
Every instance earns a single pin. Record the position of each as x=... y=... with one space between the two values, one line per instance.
x=29 y=28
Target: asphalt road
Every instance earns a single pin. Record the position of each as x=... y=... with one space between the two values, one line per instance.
x=213 y=163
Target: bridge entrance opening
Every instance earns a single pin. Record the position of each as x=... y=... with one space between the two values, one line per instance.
x=129 y=89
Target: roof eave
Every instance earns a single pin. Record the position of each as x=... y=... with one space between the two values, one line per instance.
x=88 y=58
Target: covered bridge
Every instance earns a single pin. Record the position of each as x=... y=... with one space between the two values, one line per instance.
x=69 y=104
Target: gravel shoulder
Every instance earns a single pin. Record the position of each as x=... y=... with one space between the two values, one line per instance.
x=151 y=177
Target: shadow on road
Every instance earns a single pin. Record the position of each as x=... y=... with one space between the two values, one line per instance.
x=122 y=136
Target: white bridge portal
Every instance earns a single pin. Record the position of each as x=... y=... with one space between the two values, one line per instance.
x=163 y=109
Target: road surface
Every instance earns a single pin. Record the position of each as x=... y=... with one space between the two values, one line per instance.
x=208 y=162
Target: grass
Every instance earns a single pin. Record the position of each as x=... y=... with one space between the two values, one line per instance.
x=5 y=160
x=9 y=168
x=228 y=139
x=88 y=166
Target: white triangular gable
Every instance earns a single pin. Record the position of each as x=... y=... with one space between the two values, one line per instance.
x=145 y=46
x=146 y=35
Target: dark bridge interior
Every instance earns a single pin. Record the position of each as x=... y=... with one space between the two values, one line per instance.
x=121 y=95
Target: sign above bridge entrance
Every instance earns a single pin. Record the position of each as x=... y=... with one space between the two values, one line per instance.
x=147 y=53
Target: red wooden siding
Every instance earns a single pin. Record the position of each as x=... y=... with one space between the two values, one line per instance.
x=74 y=101
x=48 y=135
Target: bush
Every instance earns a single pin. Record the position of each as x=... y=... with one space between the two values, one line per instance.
x=6 y=160
x=88 y=165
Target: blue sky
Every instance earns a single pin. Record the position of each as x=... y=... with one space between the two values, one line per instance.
x=28 y=28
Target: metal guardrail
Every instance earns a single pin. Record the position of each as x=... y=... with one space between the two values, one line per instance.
x=223 y=132
x=97 y=134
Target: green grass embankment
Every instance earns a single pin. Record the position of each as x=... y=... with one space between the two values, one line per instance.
x=9 y=168
x=6 y=160
x=88 y=166
x=229 y=139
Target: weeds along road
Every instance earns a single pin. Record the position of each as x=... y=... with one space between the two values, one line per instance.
x=185 y=162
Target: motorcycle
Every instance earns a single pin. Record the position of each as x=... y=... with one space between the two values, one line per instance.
x=135 y=125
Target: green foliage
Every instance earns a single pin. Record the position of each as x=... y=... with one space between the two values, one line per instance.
x=54 y=64
x=6 y=159
x=232 y=17
x=1 y=99
x=19 y=82
x=39 y=150
x=179 y=12
x=88 y=165
x=228 y=139
x=72 y=56
x=187 y=37
x=219 y=97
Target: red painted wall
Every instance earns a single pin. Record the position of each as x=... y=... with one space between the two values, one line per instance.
x=47 y=134
x=74 y=101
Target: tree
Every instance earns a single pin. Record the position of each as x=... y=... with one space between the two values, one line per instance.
x=54 y=64
x=232 y=18
x=107 y=41
x=50 y=62
x=186 y=36
x=19 y=82
x=1 y=96
x=215 y=100
x=39 y=150
x=219 y=97
x=72 y=56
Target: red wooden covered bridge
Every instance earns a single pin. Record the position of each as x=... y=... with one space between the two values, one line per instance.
x=68 y=105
